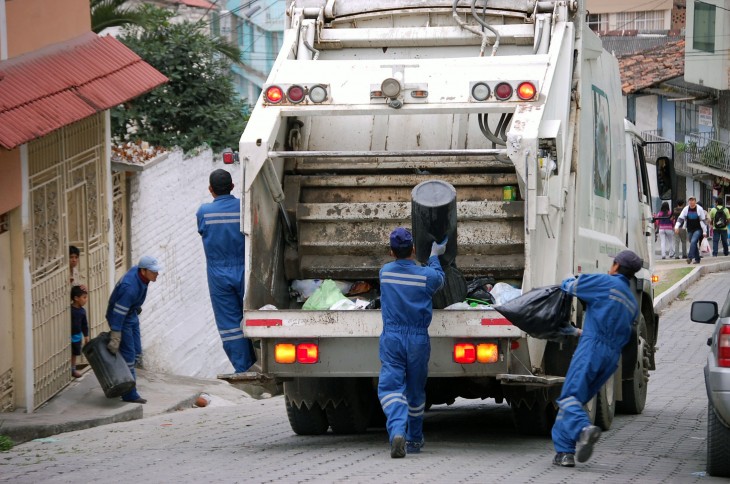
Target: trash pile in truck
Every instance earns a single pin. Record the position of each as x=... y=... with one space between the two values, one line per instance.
x=321 y=295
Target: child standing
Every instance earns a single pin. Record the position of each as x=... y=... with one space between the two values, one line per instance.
x=79 y=325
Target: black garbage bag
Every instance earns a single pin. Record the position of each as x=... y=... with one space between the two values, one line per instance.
x=477 y=289
x=542 y=313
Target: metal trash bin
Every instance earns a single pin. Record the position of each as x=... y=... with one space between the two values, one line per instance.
x=111 y=370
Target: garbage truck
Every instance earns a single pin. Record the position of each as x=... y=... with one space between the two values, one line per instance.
x=516 y=105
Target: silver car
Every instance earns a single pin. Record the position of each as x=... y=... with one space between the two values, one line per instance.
x=717 y=381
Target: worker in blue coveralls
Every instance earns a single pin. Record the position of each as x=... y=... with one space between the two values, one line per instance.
x=406 y=293
x=122 y=314
x=611 y=310
x=219 y=224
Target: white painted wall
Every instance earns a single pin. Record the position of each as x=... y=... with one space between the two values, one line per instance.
x=647 y=113
x=178 y=329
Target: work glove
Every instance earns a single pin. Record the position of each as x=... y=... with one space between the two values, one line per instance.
x=115 y=338
x=439 y=249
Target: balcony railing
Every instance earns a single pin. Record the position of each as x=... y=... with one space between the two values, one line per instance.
x=703 y=149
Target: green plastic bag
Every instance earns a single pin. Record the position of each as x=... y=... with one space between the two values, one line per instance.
x=324 y=297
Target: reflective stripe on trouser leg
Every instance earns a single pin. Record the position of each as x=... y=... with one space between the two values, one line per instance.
x=226 y=295
x=128 y=351
x=592 y=365
x=419 y=351
x=392 y=384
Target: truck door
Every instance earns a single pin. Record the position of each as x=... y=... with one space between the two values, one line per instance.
x=645 y=241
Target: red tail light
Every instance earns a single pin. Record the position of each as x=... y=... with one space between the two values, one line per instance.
x=307 y=353
x=526 y=91
x=465 y=353
x=295 y=94
x=274 y=94
x=723 y=347
x=503 y=91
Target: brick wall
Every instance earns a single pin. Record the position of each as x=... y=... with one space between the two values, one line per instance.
x=178 y=330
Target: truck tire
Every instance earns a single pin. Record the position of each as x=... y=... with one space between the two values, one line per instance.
x=537 y=419
x=718 y=445
x=634 y=389
x=351 y=416
x=304 y=420
x=606 y=405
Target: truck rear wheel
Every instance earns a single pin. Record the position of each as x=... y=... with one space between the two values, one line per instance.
x=606 y=405
x=305 y=420
x=351 y=416
x=537 y=419
x=634 y=389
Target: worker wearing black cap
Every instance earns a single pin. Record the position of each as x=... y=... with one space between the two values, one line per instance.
x=406 y=294
x=611 y=310
x=224 y=244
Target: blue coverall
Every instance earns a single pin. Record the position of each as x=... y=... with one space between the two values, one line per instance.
x=224 y=245
x=406 y=292
x=611 y=310
x=122 y=315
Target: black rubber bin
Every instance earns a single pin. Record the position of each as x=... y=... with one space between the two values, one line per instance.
x=111 y=370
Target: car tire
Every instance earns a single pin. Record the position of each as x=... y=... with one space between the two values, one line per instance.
x=718 y=445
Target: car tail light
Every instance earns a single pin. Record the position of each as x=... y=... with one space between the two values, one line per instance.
x=274 y=94
x=295 y=94
x=723 y=346
x=526 y=91
x=285 y=353
x=503 y=91
x=487 y=353
x=514 y=345
x=465 y=353
x=654 y=278
x=307 y=353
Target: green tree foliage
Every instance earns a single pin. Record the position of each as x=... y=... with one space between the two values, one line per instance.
x=112 y=13
x=199 y=104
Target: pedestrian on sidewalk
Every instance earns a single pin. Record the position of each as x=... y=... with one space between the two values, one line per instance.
x=122 y=314
x=693 y=218
x=719 y=217
x=611 y=310
x=406 y=299
x=219 y=225
x=79 y=325
x=681 y=235
x=664 y=224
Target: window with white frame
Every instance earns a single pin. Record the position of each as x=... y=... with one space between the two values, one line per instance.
x=645 y=20
x=598 y=22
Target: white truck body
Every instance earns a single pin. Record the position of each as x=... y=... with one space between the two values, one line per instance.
x=325 y=181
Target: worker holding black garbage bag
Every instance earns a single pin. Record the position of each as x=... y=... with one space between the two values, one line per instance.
x=611 y=310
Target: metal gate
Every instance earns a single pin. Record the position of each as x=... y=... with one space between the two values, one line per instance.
x=120 y=218
x=67 y=185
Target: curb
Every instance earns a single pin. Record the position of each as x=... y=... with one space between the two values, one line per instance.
x=670 y=295
x=24 y=430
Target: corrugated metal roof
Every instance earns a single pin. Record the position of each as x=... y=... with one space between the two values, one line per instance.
x=45 y=90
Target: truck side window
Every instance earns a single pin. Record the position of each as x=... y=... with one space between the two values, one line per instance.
x=642 y=179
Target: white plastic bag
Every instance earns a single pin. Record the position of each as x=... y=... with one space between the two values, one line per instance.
x=705 y=246
x=503 y=292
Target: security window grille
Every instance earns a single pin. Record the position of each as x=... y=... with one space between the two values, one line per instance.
x=4 y=223
x=644 y=20
x=703 y=37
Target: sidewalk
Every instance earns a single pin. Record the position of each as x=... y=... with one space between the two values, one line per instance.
x=82 y=404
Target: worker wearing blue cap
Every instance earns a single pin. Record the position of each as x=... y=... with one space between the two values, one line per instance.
x=219 y=225
x=406 y=293
x=611 y=310
x=122 y=314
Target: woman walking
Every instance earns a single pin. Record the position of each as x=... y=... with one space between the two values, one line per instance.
x=666 y=230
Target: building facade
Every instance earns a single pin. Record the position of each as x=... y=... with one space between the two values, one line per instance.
x=57 y=81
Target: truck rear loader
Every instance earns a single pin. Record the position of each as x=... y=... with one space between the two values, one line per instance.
x=368 y=99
